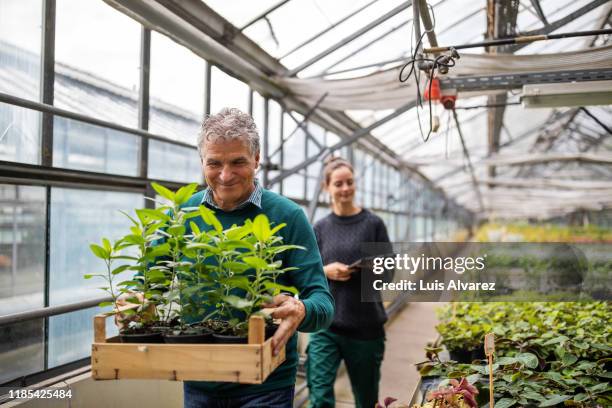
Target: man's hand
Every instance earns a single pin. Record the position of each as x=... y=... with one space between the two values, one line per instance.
x=291 y=312
x=121 y=320
x=337 y=271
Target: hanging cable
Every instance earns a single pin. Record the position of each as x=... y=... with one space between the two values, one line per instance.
x=430 y=66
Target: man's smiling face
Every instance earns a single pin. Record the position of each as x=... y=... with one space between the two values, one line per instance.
x=229 y=170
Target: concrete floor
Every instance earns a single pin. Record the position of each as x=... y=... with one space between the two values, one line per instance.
x=407 y=334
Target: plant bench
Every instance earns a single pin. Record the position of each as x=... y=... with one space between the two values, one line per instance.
x=248 y=363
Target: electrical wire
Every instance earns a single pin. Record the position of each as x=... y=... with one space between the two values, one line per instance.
x=446 y=61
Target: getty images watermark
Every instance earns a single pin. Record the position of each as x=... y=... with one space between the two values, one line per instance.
x=462 y=271
x=412 y=264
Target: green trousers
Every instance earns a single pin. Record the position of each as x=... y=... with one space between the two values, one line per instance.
x=362 y=359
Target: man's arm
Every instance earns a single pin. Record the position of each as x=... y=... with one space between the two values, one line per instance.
x=309 y=278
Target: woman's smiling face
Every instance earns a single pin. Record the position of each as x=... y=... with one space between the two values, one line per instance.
x=341 y=185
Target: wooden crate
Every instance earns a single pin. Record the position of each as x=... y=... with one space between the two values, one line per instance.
x=248 y=363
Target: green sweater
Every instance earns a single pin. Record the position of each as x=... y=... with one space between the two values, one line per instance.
x=309 y=279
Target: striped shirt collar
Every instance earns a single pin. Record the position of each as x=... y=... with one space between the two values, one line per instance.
x=254 y=198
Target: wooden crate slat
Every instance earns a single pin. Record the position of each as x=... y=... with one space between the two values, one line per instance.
x=170 y=356
x=179 y=375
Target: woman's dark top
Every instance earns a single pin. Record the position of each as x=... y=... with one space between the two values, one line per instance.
x=339 y=239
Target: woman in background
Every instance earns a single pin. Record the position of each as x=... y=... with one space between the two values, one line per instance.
x=357 y=333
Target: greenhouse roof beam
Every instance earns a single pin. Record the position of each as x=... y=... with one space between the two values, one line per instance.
x=205 y=19
x=195 y=25
x=538 y=9
x=358 y=134
x=539 y=158
x=364 y=47
x=403 y=58
x=597 y=120
x=469 y=161
x=427 y=23
x=501 y=23
x=549 y=183
x=264 y=14
x=403 y=6
x=555 y=116
x=555 y=25
x=331 y=27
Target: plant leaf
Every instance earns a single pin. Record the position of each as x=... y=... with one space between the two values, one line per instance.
x=505 y=403
x=209 y=217
x=184 y=193
x=261 y=228
x=237 y=302
x=554 y=400
x=99 y=251
x=120 y=269
x=530 y=360
x=255 y=262
x=163 y=191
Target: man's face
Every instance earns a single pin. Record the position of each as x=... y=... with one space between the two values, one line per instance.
x=229 y=170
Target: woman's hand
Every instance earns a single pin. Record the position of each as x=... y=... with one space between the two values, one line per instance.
x=337 y=271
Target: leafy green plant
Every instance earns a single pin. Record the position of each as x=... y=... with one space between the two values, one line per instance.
x=186 y=274
x=236 y=251
x=110 y=254
x=547 y=353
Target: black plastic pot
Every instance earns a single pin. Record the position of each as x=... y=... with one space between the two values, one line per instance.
x=226 y=338
x=205 y=336
x=155 y=337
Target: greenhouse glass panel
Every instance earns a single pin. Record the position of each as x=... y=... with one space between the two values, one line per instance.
x=22 y=349
x=293 y=186
x=227 y=92
x=22 y=248
x=19 y=134
x=81 y=146
x=75 y=224
x=20 y=47
x=177 y=90
x=70 y=336
x=275 y=113
x=174 y=163
x=97 y=68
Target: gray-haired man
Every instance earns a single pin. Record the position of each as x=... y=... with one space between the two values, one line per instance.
x=229 y=149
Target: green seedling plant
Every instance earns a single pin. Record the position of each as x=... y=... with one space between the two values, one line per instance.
x=177 y=263
x=245 y=269
x=110 y=253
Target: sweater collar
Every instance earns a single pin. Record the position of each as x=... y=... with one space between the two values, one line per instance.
x=254 y=198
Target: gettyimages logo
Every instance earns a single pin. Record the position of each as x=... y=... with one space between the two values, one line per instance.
x=413 y=264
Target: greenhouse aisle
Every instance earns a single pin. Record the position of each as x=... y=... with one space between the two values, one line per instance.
x=407 y=334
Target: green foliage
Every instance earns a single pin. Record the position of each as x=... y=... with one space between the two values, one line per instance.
x=237 y=250
x=547 y=354
x=187 y=272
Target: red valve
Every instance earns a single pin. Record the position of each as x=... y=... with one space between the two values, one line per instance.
x=448 y=101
